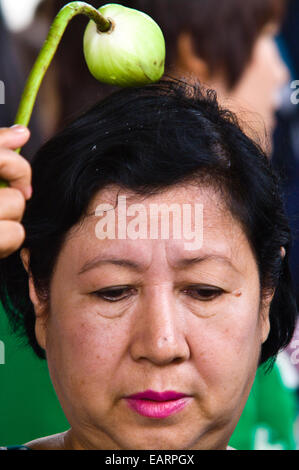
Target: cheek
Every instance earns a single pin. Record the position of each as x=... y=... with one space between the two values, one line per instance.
x=261 y=79
x=270 y=71
x=226 y=349
x=82 y=347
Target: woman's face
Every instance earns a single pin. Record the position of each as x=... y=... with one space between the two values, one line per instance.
x=127 y=316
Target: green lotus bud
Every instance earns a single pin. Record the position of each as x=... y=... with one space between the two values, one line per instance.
x=131 y=53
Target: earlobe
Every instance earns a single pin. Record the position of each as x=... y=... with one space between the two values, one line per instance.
x=25 y=258
x=40 y=331
x=265 y=328
x=40 y=314
x=265 y=316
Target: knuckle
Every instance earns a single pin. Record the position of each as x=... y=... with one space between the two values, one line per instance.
x=12 y=204
x=26 y=168
x=17 y=235
x=13 y=235
x=17 y=200
x=27 y=165
x=4 y=152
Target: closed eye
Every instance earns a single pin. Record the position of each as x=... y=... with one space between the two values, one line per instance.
x=118 y=293
x=203 y=293
x=115 y=294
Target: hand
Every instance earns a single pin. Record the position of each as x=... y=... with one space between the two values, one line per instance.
x=17 y=172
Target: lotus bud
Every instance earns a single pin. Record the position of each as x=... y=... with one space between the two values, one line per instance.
x=130 y=53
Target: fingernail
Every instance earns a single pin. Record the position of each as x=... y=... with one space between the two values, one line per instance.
x=18 y=128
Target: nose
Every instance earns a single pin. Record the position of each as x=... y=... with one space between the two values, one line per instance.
x=159 y=334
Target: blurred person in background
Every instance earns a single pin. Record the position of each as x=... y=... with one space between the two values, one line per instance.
x=229 y=45
x=286 y=141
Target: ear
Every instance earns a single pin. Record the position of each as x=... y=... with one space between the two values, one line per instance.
x=39 y=304
x=265 y=315
x=265 y=310
x=188 y=61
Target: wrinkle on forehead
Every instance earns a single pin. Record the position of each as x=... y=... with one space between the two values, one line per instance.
x=183 y=193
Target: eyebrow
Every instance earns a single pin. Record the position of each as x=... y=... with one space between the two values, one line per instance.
x=139 y=267
x=190 y=261
x=100 y=261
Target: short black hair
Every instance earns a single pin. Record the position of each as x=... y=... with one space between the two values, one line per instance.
x=148 y=139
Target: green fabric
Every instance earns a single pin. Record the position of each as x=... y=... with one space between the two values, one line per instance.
x=268 y=419
x=28 y=405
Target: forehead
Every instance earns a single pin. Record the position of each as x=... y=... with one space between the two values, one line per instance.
x=190 y=194
x=221 y=233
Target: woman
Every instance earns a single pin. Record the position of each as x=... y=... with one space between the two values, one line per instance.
x=229 y=45
x=152 y=341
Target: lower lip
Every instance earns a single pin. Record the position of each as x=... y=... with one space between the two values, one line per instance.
x=157 y=409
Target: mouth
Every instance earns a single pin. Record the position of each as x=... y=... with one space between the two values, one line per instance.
x=157 y=404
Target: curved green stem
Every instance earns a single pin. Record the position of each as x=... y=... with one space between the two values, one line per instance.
x=44 y=59
x=48 y=50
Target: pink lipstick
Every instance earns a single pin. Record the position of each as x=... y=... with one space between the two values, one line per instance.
x=157 y=404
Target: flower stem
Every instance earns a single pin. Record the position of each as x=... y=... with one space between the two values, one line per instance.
x=44 y=59
x=65 y=15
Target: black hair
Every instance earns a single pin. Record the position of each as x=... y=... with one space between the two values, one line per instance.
x=146 y=140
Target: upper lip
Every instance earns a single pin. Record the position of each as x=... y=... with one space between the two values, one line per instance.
x=158 y=396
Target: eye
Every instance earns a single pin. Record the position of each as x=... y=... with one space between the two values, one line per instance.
x=203 y=293
x=115 y=294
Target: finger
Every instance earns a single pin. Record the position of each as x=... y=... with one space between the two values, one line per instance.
x=14 y=137
x=12 y=204
x=16 y=171
x=12 y=235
